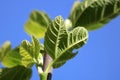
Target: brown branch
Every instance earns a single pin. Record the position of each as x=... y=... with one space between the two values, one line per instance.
x=47 y=59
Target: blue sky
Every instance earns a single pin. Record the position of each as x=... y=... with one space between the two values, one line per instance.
x=99 y=59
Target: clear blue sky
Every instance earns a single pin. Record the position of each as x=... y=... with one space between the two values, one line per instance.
x=99 y=59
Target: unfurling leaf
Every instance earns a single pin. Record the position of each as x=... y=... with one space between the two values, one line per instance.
x=93 y=14
x=30 y=52
x=60 y=42
x=15 y=73
x=37 y=24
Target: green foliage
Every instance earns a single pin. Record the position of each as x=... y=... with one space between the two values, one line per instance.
x=16 y=73
x=27 y=54
x=60 y=42
x=12 y=58
x=61 y=38
x=8 y=57
x=93 y=14
x=6 y=47
x=37 y=24
x=30 y=52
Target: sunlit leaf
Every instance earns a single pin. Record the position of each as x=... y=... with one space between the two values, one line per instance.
x=9 y=57
x=16 y=73
x=36 y=47
x=93 y=14
x=4 y=49
x=60 y=42
x=37 y=24
x=12 y=58
x=30 y=52
x=26 y=53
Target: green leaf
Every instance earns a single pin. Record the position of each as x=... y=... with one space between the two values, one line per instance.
x=12 y=58
x=26 y=53
x=37 y=24
x=8 y=57
x=30 y=52
x=58 y=64
x=36 y=47
x=16 y=73
x=93 y=14
x=6 y=47
x=60 y=43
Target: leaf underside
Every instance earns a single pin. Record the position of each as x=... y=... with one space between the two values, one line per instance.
x=93 y=14
x=60 y=42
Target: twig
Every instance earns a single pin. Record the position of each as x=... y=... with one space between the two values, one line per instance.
x=47 y=59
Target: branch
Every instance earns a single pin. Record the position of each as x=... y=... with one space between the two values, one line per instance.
x=47 y=59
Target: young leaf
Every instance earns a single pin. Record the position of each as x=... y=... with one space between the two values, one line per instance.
x=16 y=73
x=6 y=47
x=60 y=43
x=12 y=58
x=30 y=52
x=36 y=47
x=93 y=14
x=26 y=53
x=37 y=24
x=8 y=57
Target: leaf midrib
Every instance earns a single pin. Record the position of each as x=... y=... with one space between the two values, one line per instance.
x=50 y=65
x=57 y=40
